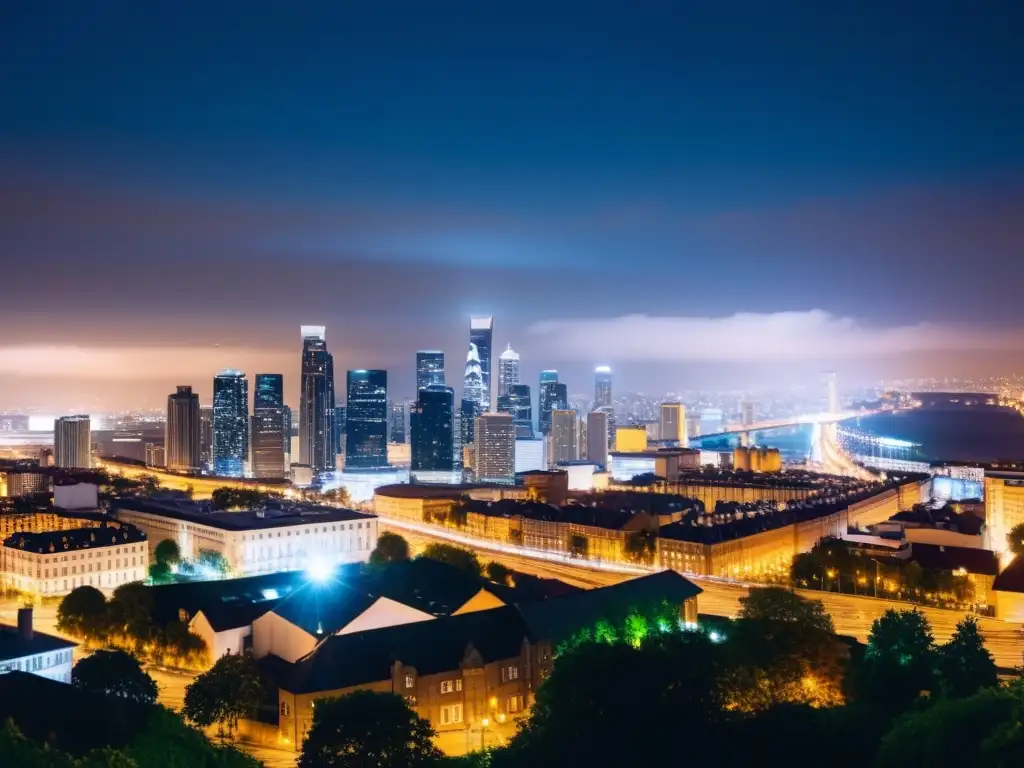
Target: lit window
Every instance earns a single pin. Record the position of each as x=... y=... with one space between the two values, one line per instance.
x=515 y=703
x=510 y=672
x=452 y=714
x=410 y=681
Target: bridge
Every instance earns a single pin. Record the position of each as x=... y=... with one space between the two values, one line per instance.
x=790 y=421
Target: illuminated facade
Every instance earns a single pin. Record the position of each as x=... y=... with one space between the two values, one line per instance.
x=269 y=436
x=630 y=439
x=72 y=442
x=432 y=423
x=672 y=423
x=481 y=331
x=366 y=420
x=429 y=369
x=597 y=437
x=1004 y=506
x=508 y=371
x=553 y=396
x=563 y=436
x=495 y=441
x=230 y=423
x=602 y=387
x=318 y=433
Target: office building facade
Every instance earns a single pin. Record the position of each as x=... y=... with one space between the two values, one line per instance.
x=429 y=369
x=508 y=370
x=672 y=423
x=563 y=436
x=366 y=420
x=495 y=454
x=553 y=396
x=597 y=437
x=318 y=433
x=602 y=387
x=396 y=422
x=432 y=423
x=517 y=402
x=481 y=332
x=230 y=423
x=72 y=442
x=182 y=432
x=269 y=428
x=206 y=437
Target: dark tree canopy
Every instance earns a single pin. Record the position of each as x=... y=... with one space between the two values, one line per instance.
x=498 y=573
x=82 y=612
x=368 y=729
x=229 y=690
x=455 y=556
x=391 y=548
x=780 y=604
x=115 y=673
x=965 y=665
x=167 y=552
x=1015 y=539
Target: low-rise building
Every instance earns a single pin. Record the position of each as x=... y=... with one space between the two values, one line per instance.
x=1007 y=595
x=22 y=649
x=54 y=563
x=283 y=537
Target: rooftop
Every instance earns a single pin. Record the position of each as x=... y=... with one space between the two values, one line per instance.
x=13 y=644
x=72 y=540
x=254 y=519
x=942 y=557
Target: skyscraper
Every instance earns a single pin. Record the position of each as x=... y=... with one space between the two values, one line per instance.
x=597 y=437
x=473 y=380
x=432 y=422
x=429 y=369
x=517 y=402
x=269 y=425
x=317 y=433
x=396 y=422
x=553 y=395
x=602 y=387
x=748 y=412
x=366 y=420
x=508 y=370
x=230 y=423
x=182 y=438
x=481 y=330
x=673 y=423
x=72 y=442
x=206 y=438
x=495 y=448
x=563 y=436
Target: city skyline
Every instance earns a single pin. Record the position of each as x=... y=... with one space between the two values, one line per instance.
x=863 y=215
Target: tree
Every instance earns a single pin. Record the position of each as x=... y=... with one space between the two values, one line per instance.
x=338 y=495
x=130 y=612
x=641 y=546
x=18 y=751
x=82 y=613
x=167 y=551
x=1015 y=539
x=115 y=673
x=368 y=729
x=237 y=498
x=965 y=665
x=779 y=604
x=212 y=561
x=391 y=548
x=167 y=742
x=898 y=664
x=498 y=573
x=454 y=556
x=230 y=689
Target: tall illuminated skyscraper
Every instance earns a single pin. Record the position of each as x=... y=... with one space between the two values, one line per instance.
x=230 y=423
x=396 y=422
x=602 y=387
x=495 y=448
x=429 y=369
x=268 y=427
x=564 y=440
x=432 y=422
x=553 y=395
x=481 y=331
x=508 y=370
x=72 y=442
x=182 y=438
x=206 y=437
x=473 y=380
x=517 y=402
x=366 y=420
x=317 y=432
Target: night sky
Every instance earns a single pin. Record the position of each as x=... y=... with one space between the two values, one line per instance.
x=698 y=194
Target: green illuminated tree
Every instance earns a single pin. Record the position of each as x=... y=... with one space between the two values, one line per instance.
x=368 y=729
x=965 y=665
x=899 y=662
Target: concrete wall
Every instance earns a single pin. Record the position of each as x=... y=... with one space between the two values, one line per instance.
x=272 y=634
x=384 y=613
x=219 y=643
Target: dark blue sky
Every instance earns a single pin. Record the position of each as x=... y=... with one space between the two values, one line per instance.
x=194 y=173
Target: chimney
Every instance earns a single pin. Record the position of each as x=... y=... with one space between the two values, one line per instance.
x=25 y=624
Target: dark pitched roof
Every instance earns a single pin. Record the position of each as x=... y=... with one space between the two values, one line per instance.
x=940 y=556
x=558 y=618
x=225 y=601
x=427 y=585
x=79 y=538
x=1012 y=577
x=14 y=646
x=432 y=646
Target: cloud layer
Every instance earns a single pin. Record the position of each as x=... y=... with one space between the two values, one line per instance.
x=749 y=337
